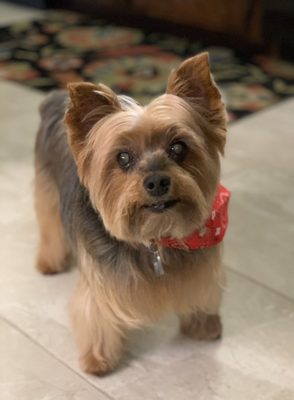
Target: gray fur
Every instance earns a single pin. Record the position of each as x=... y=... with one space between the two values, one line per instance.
x=79 y=218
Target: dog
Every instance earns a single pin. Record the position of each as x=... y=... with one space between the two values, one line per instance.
x=133 y=194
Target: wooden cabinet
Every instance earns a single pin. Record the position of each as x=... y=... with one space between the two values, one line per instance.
x=239 y=17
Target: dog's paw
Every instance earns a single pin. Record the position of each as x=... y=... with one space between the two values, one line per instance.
x=45 y=268
x=93 y=365
x=48 y=268
x=202 y=326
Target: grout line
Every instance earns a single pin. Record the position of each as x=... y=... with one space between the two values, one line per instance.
x=256 y=282
x=31 y=339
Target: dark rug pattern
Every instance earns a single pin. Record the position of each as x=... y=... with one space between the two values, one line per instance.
x=66 y=47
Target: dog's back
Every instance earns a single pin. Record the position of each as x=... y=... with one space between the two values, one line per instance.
x=56 y=184
x=60 y=199
x=51 y=151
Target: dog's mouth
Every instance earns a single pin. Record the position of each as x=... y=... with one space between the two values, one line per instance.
x=161 y=206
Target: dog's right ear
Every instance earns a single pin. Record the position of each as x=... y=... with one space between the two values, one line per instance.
x=88 y=104
x=193 y=82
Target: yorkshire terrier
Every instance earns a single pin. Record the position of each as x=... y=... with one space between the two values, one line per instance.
x=133 y=193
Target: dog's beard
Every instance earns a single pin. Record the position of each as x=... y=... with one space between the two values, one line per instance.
x=178 y=222
x=139 y=221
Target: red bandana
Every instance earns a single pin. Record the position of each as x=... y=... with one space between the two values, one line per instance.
x=214 y=229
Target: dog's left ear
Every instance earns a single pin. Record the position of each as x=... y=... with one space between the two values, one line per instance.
x=88 y=104
x=193 y=82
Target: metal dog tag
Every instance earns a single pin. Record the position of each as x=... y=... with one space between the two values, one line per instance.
x=157 y=264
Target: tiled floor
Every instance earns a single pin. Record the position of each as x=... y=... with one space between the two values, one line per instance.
x=10 y=13
x=255 y=359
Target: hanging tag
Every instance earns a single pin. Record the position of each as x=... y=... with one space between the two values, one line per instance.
x=157 y=264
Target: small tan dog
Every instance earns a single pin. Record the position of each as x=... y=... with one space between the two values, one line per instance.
x=132 y=192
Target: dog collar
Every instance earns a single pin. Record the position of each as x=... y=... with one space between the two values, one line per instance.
x=213 y=231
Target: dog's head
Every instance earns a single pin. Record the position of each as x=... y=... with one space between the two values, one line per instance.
x=150 y=171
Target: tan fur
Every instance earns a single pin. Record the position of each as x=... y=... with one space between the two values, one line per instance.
x=53 y=253
x=98 y=337
x=144 y=301
x=100 y=125
x=103 y=310
x=201 y=326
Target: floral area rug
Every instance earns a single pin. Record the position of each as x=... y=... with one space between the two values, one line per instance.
x=66 y=47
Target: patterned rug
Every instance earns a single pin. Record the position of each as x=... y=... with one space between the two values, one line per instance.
x=66 y=47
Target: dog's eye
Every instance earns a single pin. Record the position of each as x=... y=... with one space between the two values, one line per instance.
x=177 y=151
x=125 y=160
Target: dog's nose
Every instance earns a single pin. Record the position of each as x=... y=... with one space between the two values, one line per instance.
x=156 y=185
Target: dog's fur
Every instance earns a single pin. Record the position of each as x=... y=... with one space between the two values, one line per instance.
x=89 y=208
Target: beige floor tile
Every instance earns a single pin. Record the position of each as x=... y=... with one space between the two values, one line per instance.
x=29 y=372
x=16 y=99
x=246 y=370
x=267 y=188
x=259 y=170
x=19 y=119
x=259 y=243
x=265 y=138
x=11 y=13
x=18 y=126
x=254 y=362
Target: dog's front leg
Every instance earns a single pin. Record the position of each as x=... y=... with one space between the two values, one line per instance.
x=201 y=326
x=100 y=339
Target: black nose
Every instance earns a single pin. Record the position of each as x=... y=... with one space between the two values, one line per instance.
x=157 y=185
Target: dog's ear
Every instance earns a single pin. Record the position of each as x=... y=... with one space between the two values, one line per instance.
x=193 y=82
x=88 y=104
